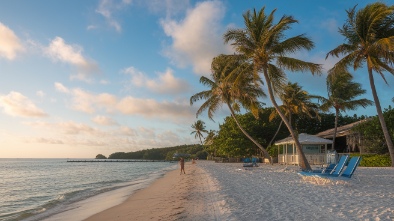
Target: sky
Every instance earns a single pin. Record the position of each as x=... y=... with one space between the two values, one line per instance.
x=81 y=78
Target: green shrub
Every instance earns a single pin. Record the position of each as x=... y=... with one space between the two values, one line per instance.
x=273 y=151
x=374 y=160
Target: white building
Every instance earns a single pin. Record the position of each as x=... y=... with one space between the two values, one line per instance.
x=314 y=148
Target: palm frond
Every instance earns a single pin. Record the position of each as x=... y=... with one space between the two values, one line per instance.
x=342 y=49
x=292 y=45
x=294 y=64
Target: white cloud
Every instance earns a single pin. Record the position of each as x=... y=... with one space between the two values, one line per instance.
x=92 y=27
x=40 y=93
x=107 y=8
x=103 y=120
x=198 y=37
x=58 y=50
x=151 y=108
x=166 y=83
x=116 y=139
x=137 y=77
x=127 y=131
x=47 y=140
x=78 y=128
x=88 y=103
x=60 y=87
x=104 y=82
x=169 y=136
x=16 y=104
x=10 y=44
x=69 y=128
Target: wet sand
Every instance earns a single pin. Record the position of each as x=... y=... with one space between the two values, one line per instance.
x=173 y=197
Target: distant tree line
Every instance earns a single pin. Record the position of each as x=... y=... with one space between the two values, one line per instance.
x=165 y=153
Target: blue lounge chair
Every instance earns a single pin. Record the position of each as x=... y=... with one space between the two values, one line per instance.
x=336 y=171
x=250 y=163
x=328 y=169
x=351 y=167
x=348 y=172
x=327 y=178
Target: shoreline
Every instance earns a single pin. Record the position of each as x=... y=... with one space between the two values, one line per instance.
x=170 y=197
x=82 y=209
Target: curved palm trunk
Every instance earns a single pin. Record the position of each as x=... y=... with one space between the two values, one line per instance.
x=266 y=154
x=276 y=133
x=386 y=134
x=303 y=162
x=335 y=129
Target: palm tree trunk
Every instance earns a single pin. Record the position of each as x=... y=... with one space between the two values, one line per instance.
x=386 y=134
x=276 y=133
x=303 y=162
x=247 y=135
x=335 y=129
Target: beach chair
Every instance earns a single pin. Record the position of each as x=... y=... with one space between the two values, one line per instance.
x=250 y=163
x=328 y=178
x=346 y=175
x=328 y=169
x=254 y=161
x=351 y=167
x=335 y=171
x=348 y=172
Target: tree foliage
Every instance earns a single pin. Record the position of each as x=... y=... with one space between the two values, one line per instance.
x=265 y=44
x=165 y=153
x=234 y=85
x=198 y=129
x=342 y=94
x=231 y=142
x=372 y=133
x=100 y=156
x=369 y=39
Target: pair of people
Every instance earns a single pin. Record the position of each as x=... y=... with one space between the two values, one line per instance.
x=182 y=163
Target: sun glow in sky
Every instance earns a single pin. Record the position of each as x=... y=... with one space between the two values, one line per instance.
x=79 y=78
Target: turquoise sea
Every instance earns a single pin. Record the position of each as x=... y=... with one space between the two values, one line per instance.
x=52 y=189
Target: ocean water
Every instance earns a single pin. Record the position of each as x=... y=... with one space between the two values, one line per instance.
x=44 y=189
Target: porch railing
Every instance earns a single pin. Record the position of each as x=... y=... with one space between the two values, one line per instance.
x=313 y=159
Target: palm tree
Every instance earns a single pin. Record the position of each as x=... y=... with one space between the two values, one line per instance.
x=199 y=128
x=263 y=43
x=210 y=137
x=209 y=141
x=369 y=38
x=294 y=101
x=342 y=92
x=234 y=85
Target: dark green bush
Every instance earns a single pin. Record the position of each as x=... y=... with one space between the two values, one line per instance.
x=273 y=151
x=374 y=160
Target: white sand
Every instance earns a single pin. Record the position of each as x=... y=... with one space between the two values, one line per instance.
x=226 y=191
x=278 y=193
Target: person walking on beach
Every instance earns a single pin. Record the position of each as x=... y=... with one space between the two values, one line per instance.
x=182 y=162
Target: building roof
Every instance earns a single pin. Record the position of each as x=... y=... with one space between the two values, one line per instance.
x=341 y=131
x=305 y=139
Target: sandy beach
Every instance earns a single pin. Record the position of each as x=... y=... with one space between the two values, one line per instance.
x=217 y=191
x=173 y=197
